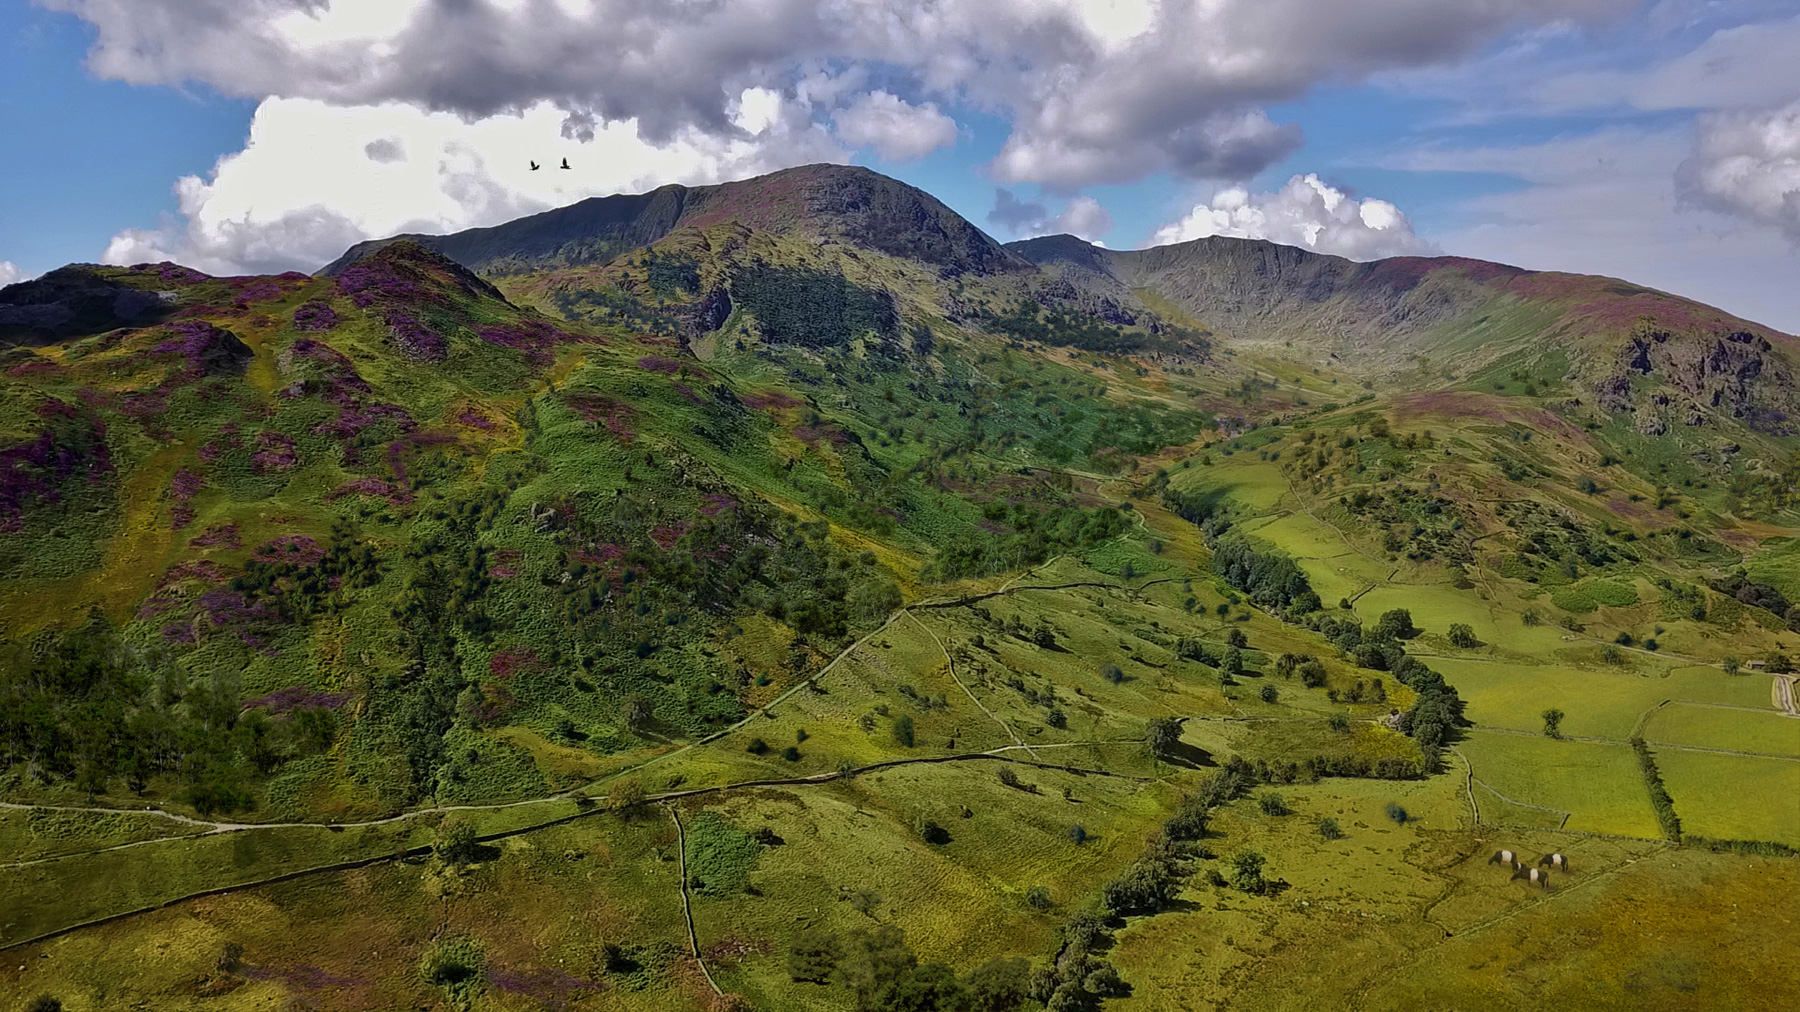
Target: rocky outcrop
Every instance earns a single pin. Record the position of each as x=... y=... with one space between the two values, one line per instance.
x=76 y=301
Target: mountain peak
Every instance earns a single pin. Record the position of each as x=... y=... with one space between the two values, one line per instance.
x=852 y=204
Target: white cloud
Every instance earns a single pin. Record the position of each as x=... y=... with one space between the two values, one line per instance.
x=1747 y=164
x=1307 y=213
x=308 y=182
x=1082 y=216
x=896 y=129
x=1096 y=90
x=10 y=273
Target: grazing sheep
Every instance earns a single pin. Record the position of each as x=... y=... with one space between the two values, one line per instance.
x=1505 y=857
x=1541 y=879
x=1557 y=861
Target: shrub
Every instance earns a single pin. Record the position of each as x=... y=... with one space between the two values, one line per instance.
x=1078 y=833
x=814 y=955
x=1553 y=723
x=903 y=730
x=1246 y=872
x=1463 y=635
x=1338 y=722
x=757 y=746
x=456 y=965
x=455 y=843
x=791 y=754
x=1397 y=813
x=1328 y=828
x=1268 y=694
x=1111 y=673
x=1038 y=898
x=1272 y=803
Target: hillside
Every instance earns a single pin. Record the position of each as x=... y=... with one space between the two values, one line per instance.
x=780 y=595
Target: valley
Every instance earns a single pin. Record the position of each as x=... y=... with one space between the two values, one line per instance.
x=780 y=595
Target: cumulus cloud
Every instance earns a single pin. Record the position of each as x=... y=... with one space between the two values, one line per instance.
x=1083 y=217
x=1096 y=90
x=308 y=182
x=385 y=149
x=1307 y=213
x=1747 y=164
x=10 y=273
x=896 y=129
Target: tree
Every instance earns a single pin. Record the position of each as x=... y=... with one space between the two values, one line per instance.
x=1552 y=722
x=998 y=985
x=1269 y=694
x=1236 y=638
x=1396 y=623
x=625 y=795
x=44 y=1003
x=1272 y=803
x=903 y=730
x=1163 y=733
x=864 y=901
x=455 y=843
x=1328 y=828
x=636 y=711
x=1233 y=661
x=1778 y=664
x=1038 y=898
x=814 y=955
x=1246 y=872
x=1078 y=833
x=1463 y=635
x=1732 y=665
x=873 y=962
x=1397 y=813
x=873 y=600
x=1111 y=673
x=1338 y=722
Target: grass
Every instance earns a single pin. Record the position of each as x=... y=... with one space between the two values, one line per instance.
x=1732 y=797
x=1598 y=783
x=1713 y=727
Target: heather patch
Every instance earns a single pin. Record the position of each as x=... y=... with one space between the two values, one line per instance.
x=505 y=564
x=182 y=489
x=773 y=401
x=255 y=289
x=275 y=451
x=72 y=447
x=658 y=363
x=374 y=487
x=535 y=339
x=204 y=350
x=689 y=395
x=414 y=339
x=601 y=410
x=297 y=697
x=172 y=273
x=217 y=536
x=373 y=278
x=545 y=987
x=295 y=550
x=511 y=661
x=315 y=316
x=475 y=419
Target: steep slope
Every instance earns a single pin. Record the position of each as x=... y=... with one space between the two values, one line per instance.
x=1626 y=348
x=824 y=202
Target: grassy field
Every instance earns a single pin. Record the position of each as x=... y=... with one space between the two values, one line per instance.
x=1728 y=797
x=1598 y=783
x=1718 y=727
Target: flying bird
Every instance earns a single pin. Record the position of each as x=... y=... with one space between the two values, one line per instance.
x=565 y=163
x=534 y=166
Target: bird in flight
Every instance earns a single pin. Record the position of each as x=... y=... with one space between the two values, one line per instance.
x=565 y=163
x=534 y=166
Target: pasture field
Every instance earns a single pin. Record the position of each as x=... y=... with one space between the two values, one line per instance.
x=1728 y=797
x=1598 y=783
x=1602 y=701
x=1719 y=727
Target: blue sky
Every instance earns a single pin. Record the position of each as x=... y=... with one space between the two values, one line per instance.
x=1656 y=141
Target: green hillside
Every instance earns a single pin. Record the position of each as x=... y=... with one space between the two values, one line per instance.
x=780 y=595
